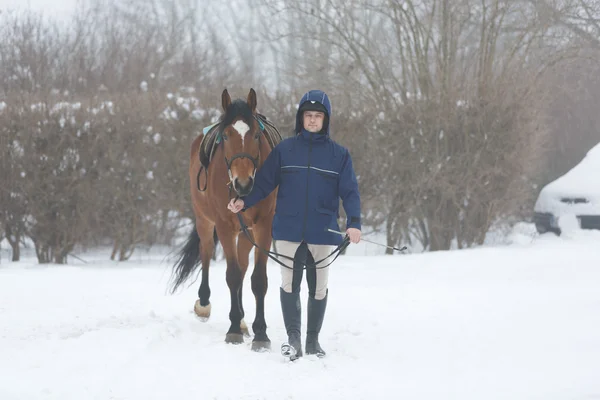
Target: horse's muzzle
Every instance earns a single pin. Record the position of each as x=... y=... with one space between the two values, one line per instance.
x=243 y=188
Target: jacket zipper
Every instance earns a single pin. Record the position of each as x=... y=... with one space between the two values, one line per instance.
x=306 y=201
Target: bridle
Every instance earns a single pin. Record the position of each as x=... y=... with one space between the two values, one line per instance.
x=255 y=161
x=228 y=162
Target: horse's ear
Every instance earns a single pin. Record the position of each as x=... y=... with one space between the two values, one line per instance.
x=225 y=99
x=252 y=100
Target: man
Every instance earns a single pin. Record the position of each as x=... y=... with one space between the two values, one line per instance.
x=312 y=173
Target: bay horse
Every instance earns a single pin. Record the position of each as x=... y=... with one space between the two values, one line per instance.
x=238 y=146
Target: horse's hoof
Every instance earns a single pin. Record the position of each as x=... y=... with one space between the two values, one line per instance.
x=244 y=328
x=261 y=345
x=203 y=312
x=234 y=338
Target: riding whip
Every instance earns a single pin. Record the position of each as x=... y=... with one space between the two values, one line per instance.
x=378 y=244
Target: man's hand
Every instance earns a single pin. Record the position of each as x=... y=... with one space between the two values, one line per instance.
x=353 y=234
x=235 y=206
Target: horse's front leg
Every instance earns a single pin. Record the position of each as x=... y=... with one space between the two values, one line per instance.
x=260 y=283
x=227 y=235
x=243 y=247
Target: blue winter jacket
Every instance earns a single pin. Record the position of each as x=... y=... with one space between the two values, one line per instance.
x=313 y=173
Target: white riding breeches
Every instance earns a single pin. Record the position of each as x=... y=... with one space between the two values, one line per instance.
x=316 y=278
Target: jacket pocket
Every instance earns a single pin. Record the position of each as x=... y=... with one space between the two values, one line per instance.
x=325 y=218
x=324 y=210
x=328 y=175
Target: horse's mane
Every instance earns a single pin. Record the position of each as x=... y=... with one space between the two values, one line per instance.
x=270 y=131
x=237 y=108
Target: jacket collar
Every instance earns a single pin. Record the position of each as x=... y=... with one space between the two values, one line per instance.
x=312 y=137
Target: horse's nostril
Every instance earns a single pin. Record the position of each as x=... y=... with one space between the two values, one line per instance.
x=244 y=187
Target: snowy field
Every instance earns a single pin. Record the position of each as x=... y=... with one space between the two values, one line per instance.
x=506 y=322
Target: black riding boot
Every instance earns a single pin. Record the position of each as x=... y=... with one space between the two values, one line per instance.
x=316 y=313
x=292 y=317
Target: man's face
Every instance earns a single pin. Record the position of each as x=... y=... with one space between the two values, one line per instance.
x=313 y=120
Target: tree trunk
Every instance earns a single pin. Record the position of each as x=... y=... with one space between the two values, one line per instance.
x=389 y=233
x=126 y=251
x=14 y=241
x=42 y=252
x=61 y=253
x=113 y=254
x=16 y=252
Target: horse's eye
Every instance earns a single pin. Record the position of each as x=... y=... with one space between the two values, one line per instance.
x=257 y=136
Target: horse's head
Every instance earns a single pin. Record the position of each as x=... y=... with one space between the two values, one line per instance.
x=241 y=141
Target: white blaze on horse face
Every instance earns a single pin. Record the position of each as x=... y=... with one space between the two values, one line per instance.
x=241 y=127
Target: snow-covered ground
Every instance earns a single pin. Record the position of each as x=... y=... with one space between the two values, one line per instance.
x=506 y=322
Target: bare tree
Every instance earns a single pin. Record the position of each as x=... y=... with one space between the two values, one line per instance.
x=13 y=205
x=450 y=88
x=571 y=113
x=579 y=18
x=449 y=109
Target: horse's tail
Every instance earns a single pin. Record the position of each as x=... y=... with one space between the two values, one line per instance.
x=188 y=260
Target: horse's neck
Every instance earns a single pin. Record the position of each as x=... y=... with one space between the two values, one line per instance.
x=265 y=150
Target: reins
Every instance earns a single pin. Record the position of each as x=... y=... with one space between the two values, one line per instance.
x=338 y=249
